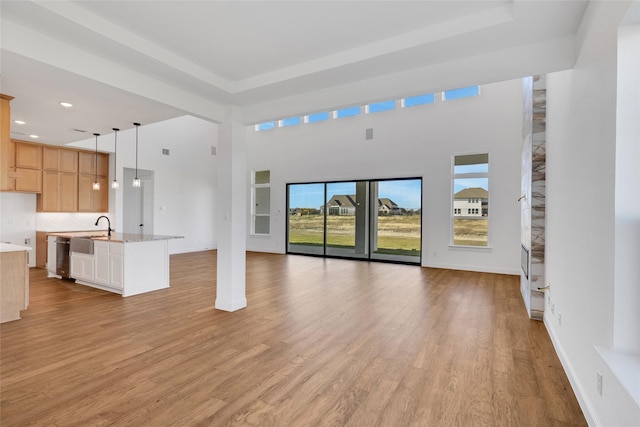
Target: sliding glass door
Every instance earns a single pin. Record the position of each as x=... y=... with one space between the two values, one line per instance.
x=306 y=219
x=396 y=223
x=347 y=219
x=373 y=219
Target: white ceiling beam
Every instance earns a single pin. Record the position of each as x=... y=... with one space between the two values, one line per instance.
x=536 y=58
x=38 y=47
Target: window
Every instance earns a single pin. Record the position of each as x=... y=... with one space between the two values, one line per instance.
x=265 y=126
x=463 y=92
x=261 y=206
x=412 y=101
x=380 y=106
x=347 y=112
x=470 y=185
x=291 y=121
x=317 y=117
x=368 y=219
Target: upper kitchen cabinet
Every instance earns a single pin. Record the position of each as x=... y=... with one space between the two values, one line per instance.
x=87 y=163
x=59 y=159
x=7 y=148
x=28 y=169
x=90 y=200
x=28 y=156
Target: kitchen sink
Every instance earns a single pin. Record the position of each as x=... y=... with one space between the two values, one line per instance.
x=83 y=245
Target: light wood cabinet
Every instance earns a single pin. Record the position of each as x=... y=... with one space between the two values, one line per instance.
x=59 y=159
x=28 y=156
x=41 y=249
x=7 y=157
x=68 y=161
x=59 y=192
x=87 y=163
x=28 y=180
x=90 y=200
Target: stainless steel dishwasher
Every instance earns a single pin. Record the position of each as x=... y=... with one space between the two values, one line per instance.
x=63 y=260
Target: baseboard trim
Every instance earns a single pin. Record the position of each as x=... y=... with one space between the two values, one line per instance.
x=477 y=268
x=576 y=385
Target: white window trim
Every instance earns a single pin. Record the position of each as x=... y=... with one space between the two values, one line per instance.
x=469 y=175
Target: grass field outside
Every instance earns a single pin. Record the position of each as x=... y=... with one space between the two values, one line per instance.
x=397 y=234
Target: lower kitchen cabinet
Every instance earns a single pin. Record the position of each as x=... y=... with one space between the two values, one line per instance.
x=83 y=266
x=127 y=268
x=101 y=254
x=52 y=248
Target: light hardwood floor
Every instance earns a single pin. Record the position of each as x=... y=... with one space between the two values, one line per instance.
x=322 y=342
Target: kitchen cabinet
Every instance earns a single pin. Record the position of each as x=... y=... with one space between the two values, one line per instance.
x=14 y=286
x=41 y=249
x=59 y=192
x=28 y=156
x=101 y=259
x=7 y=147
x=28 y=180
x=83 y=266
x=20 y=174
x=90 y=200
x=136 y=263
x=87 y=163
x=52 y=249
x=59 y=159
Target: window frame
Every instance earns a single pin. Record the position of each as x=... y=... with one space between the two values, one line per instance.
x=253 y=211
x=469 y=175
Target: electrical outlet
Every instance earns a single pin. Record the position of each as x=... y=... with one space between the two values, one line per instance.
x=559 y=319
x=599 y=382
x=27 y=241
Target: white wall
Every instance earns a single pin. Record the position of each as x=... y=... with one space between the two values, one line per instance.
x=581 y=155
x=18 y=221
x=185 y=181
x=412 y=142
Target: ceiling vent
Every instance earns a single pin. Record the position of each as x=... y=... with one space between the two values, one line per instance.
x=79 y=130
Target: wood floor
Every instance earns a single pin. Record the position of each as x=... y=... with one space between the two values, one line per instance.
x=322 y=342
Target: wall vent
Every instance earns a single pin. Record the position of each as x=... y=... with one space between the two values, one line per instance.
x=165 y=151
x=368 y=134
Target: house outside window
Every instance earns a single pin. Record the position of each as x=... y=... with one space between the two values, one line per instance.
x=470 y=200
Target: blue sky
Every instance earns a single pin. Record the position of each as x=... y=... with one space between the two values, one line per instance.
x=405 y=193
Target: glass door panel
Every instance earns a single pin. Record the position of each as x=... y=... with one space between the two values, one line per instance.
x=306 y=219
x=396 y=220
x=347 y=215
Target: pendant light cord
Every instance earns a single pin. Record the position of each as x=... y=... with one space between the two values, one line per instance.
x=136 y=125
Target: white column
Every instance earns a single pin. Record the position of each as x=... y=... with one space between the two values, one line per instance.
x=231 y=214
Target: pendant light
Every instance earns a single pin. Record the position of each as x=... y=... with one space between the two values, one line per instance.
x=96 y=184
x=136 y=180
x=115 y=184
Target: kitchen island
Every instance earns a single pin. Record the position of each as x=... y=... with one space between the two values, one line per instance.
x=127 y=264
x=14 y=281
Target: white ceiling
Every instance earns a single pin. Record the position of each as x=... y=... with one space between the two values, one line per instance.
x=145 y=61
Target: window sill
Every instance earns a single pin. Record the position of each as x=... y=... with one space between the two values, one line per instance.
x=626 y=368
x=260 y=236
x=480 y=248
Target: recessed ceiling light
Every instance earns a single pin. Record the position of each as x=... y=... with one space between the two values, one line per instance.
x=20 y=122
x=34 y=136
x=66 y=104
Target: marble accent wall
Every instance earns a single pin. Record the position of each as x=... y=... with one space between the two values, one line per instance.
x=532 y=212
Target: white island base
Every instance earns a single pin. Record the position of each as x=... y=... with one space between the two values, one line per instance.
x=125 y=266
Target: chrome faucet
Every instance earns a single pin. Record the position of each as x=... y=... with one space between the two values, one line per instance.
x=108 y=224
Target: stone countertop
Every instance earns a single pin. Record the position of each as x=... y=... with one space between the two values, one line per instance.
x=70 y=234
x=133 y=237
x=8 y=247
